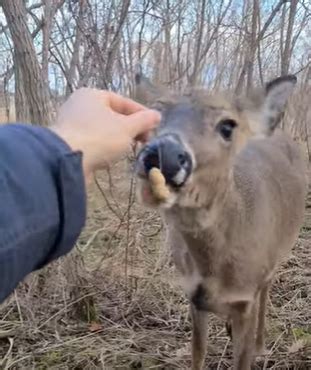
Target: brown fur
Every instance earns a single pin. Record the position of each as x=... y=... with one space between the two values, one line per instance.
x=232 y=224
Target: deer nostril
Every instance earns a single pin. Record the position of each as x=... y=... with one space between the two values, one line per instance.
x=182 y=159
x=151 y=160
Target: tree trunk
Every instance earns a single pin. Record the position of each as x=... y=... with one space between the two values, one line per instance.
x=252 y=46
x=199 y=35
x=46 y=31
x=21 y=107
x=113 y=48
x=166 y=71
x=32 y=88
x=243 y=49
x=286 y=55
x=73 y=67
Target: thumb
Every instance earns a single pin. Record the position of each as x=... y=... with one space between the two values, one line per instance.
x=142 y=122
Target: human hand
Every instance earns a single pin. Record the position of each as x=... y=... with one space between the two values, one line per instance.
x=102 y=125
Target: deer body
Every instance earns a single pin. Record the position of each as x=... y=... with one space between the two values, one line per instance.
x=234 y=220
x=238 y=240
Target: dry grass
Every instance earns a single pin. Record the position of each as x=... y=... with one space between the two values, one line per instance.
x=119 y=308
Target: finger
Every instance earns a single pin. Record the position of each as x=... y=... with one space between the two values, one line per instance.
x=123 y=105
x=139 y=124
x=143 y=138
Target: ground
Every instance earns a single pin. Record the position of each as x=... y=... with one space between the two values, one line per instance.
x=114 y=304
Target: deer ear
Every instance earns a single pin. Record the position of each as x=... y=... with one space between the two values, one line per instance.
x=276 y=95
x=146 y=92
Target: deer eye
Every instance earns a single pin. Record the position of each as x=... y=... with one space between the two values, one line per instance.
x=225 y=128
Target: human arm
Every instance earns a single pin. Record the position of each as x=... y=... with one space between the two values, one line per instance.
x=43 y=173
x=43 y=204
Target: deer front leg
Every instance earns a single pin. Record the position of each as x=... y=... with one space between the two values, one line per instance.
x=199 y=336
x=243 y=335
x=260 y=337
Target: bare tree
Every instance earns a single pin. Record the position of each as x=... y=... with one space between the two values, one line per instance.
x=32 y=94
x=253 y=45
x=287 y=50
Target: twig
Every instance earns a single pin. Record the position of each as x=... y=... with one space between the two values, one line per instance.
x=114 y=211
x=111 y=186
x=223 y=354
x=7 y=333
x=18 y=308
x=91 y=239
x=64 y=309
x=272 y=349
x=128 y=229
x=5 y=358
x=110 y=242
x=54 y=347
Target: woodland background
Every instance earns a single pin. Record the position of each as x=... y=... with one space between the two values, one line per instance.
x=112 y=302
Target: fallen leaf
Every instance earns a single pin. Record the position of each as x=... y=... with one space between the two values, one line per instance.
x=95 y=326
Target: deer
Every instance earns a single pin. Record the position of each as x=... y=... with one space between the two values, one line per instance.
x=237 y=186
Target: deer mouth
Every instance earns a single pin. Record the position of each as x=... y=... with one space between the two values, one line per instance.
x=146 y=194
x=150 y=199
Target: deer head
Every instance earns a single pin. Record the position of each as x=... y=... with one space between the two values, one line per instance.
x=201 y=134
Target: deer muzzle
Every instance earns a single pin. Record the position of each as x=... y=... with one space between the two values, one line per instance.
x=167 y=153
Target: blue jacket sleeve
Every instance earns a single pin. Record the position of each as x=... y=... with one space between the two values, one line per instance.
x=42 y=201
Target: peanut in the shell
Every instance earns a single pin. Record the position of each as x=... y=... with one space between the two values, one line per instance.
x=158 y=184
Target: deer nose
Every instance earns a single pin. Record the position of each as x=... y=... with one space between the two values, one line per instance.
x=171 y=157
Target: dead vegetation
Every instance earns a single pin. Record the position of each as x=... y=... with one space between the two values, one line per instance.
x=113 y=304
